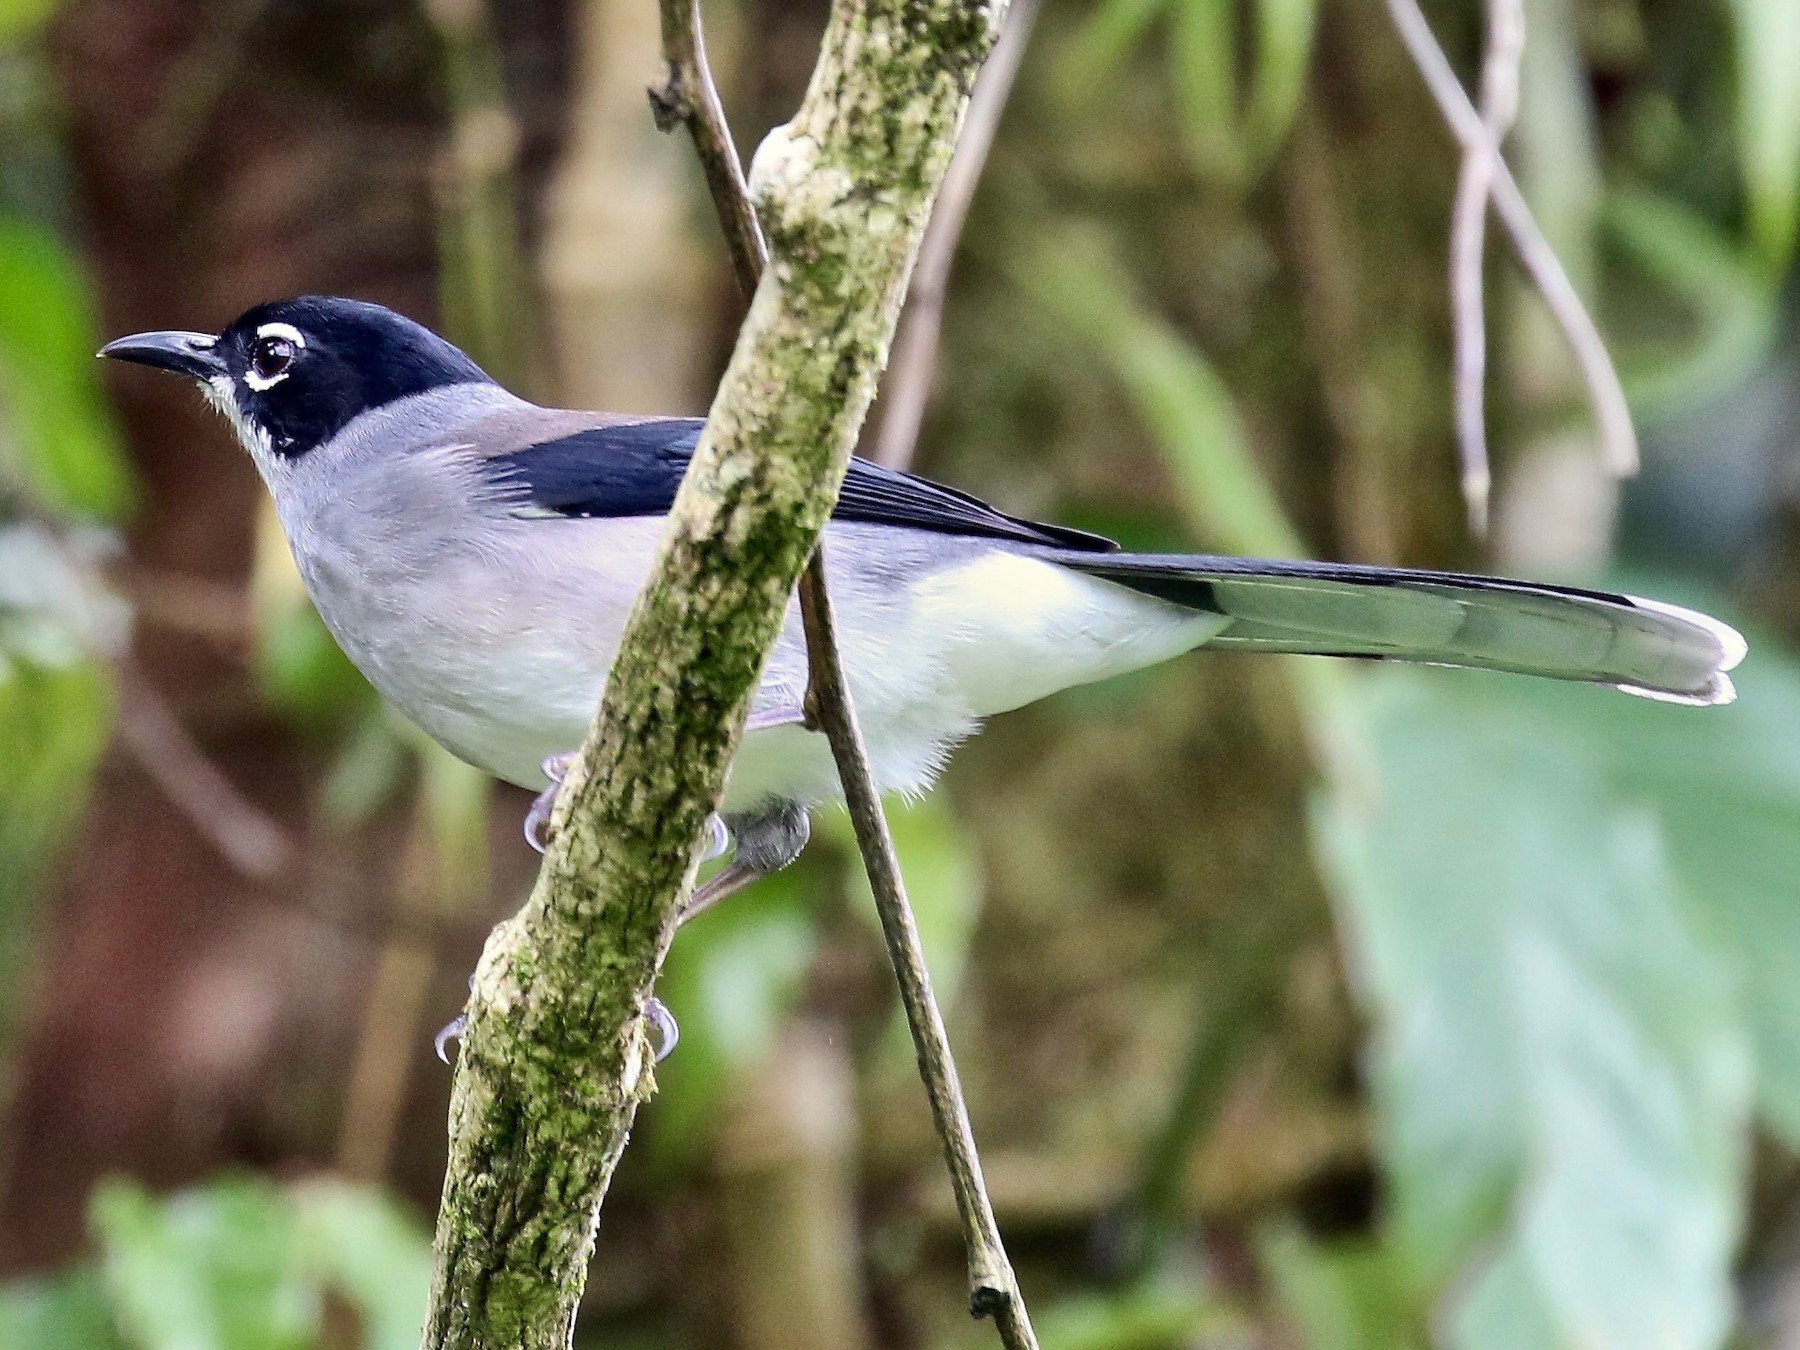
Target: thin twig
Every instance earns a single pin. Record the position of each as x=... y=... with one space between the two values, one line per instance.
x=235 y=826
x=1618 y=441
x=1468 y=236
x=691 y=99
x=913 y=366
x=993 y=1289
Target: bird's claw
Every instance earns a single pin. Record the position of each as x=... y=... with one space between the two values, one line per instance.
x=668 y=1034
x=718 y=838
x=453 y=1031
x=537 y=819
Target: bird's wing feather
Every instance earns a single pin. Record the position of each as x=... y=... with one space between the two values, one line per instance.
x=633 y=468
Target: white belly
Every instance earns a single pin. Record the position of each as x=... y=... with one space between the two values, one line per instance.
x=959 y=642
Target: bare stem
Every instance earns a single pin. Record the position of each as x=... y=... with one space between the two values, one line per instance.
x=1618 y=441
x=1468 y=235
x=690 y=99
x=993 y=1289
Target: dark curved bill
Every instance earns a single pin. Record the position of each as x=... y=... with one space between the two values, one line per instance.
x=188 y=354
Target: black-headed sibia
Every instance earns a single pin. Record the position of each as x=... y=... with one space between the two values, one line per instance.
x=477 y=555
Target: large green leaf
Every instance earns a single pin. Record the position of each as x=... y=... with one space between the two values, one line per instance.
x=1562 y=1061
x=240 y=1264
x=361 y=1243
x=1726 y=787
x=212 y=1269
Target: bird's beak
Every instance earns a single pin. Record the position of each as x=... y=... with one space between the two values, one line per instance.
x=188 y=354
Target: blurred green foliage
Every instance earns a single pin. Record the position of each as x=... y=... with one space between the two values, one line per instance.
x=1721 y=319
x=1237 y=68
x=1351 y=1294
x=737 y=972
x=57 y=437
x=239 y=1264
x=63 y=481
x=730 y=980
x=22 y=18
x=1767 y=43
x=1577 y=998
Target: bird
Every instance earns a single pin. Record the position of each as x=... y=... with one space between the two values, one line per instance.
x=476 y=556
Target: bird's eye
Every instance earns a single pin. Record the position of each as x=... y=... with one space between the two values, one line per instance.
x=271 y=357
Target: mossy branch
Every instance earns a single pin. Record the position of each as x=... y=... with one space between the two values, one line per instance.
x=691 y=99
x=555 y=1059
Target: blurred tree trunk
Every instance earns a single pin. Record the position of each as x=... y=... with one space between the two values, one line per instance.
x=628 y=288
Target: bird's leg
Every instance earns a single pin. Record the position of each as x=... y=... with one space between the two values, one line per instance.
x=556 y=767
x=767 y=841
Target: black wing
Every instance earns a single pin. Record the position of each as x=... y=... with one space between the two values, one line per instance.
x=634 y=469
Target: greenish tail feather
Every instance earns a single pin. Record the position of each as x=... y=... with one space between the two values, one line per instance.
x=1558 y=632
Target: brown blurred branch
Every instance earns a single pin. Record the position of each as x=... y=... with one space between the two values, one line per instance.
x=217 y=611
x=691 y=99
x=1468 y=237
x=235 y=826
x=1618 y=441
x=912 y=369
x=556 y=1059
x=387 y=1047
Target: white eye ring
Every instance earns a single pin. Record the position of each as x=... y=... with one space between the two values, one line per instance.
x=281 y=332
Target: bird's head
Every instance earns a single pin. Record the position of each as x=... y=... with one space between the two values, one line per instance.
x=291 y=374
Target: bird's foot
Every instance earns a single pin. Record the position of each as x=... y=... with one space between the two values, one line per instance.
x=765 y=843
x=537 y=819
x=657 y=1014
x=668 y=1034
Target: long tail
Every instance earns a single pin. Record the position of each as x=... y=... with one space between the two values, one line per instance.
x=1560 y=632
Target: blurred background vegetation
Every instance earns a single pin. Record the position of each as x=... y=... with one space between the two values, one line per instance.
x=1299 y=1005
